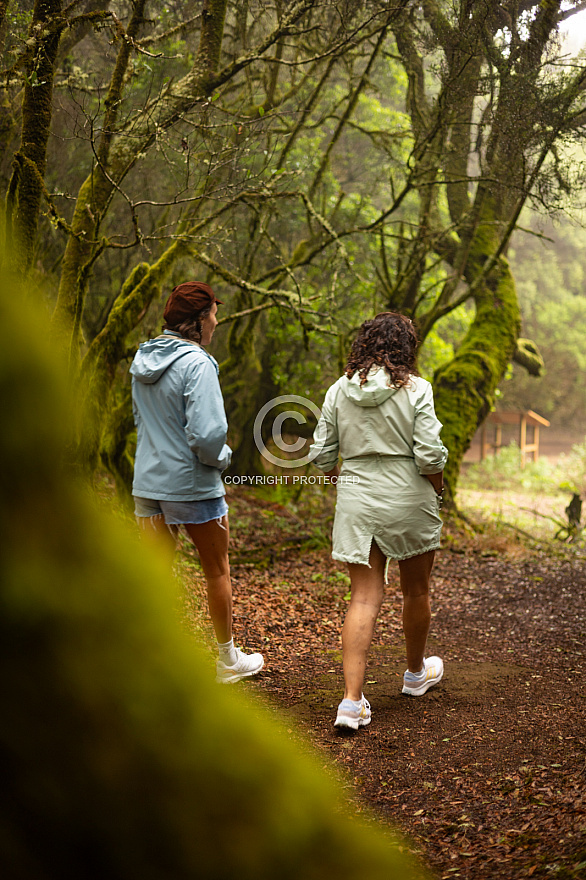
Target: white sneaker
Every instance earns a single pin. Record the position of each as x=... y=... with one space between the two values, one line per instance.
x=353 y=715
x=433 y=671
x=246 y=665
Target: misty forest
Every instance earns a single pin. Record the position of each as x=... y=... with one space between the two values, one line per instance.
x=316 y=162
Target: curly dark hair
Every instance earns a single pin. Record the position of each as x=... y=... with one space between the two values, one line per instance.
x=190 y=329
x=389 y=340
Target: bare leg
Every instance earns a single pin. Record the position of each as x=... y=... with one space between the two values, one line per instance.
x=211 y=540
x=415 y=573
x=156 y=532
x=367 y=585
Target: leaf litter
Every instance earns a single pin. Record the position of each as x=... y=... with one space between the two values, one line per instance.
x=486 y=773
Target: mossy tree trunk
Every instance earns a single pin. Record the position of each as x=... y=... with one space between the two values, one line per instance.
x=93 y=198
x=25 y=191
x=465 y=388
x=498 y=111
x=98 y=368
x=115 y=455
x=120 y=749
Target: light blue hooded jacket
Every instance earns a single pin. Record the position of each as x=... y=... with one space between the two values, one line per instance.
x=180 y=421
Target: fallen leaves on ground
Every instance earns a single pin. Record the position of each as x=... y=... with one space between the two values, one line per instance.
x=486 y=773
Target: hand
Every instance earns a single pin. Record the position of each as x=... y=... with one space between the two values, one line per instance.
x=437 y=481
x=333 y=474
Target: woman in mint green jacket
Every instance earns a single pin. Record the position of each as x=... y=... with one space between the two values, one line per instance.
x=379 y=418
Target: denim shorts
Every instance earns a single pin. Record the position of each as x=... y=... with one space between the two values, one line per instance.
x=176 y=513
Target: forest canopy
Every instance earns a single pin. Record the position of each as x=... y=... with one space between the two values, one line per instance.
x=315 y=162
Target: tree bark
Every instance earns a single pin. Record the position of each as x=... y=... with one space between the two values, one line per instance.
x=465 y=388
x=26 y=185
x=92 y=200
x=527 y=355
x=98 y=368
x=114 y=451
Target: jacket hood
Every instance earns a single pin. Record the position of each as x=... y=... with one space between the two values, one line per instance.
x=375 y=390
x=154 y=357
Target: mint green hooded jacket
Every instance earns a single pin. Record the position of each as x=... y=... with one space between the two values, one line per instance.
x=388 y=439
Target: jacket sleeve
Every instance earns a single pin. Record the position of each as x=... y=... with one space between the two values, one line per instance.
x=205 y=419
x=325 y=448
x=135 y=414
x=430 y=453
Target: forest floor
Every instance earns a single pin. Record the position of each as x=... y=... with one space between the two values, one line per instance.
x=486 y=773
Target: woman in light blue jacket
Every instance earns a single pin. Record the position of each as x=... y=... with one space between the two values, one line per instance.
x=181 y=452
x=379 y=417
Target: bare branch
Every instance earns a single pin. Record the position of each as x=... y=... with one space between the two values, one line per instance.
x=182 y=28
x=347 y=113
x=564 y=15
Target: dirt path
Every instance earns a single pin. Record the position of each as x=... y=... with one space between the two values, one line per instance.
x=486 y=773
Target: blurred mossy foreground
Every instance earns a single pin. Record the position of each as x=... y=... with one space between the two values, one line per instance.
x=121 y=757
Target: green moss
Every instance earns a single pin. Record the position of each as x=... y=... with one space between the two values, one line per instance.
x=37 y=110
x=528 y=356
x=114 y=452
x=210 y=43
x=118 y=155
x=93 y=197
x=465 y=388
x=73 y=283
x=104 y=354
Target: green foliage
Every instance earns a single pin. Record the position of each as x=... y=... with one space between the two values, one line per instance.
x=573 y=470
x=535 y=500
x=504 y=471
x=18 y=22
x=443 y=340
x=553 y=305
x=465 y=388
